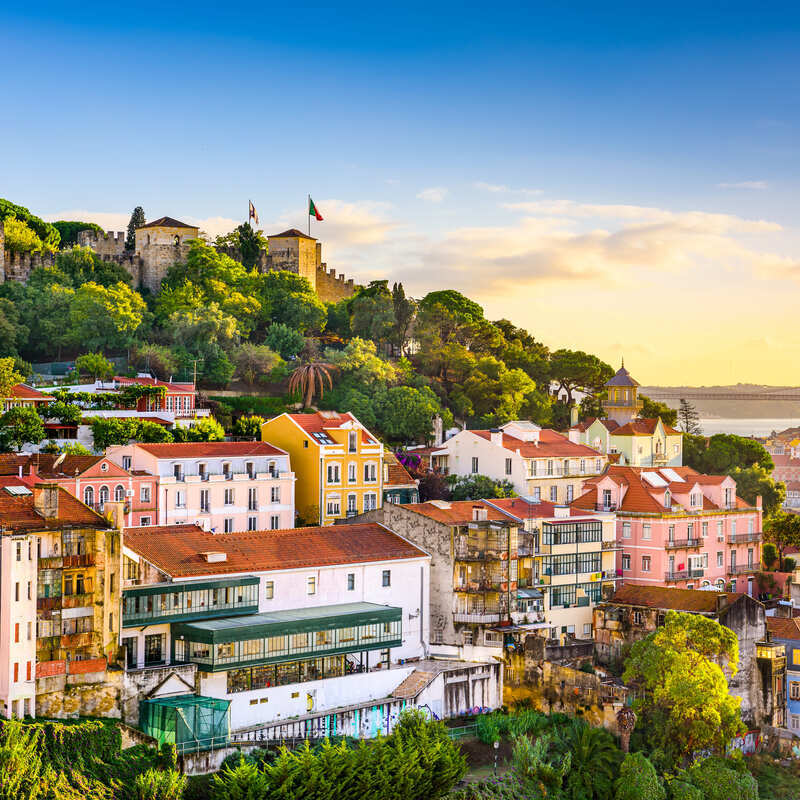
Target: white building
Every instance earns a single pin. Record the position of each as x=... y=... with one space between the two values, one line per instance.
x=539 y=462
x=292 y=627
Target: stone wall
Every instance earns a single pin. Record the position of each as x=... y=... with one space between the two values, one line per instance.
x=332 y=288
x=71 y=695
x=107 y=245
x=139 y=684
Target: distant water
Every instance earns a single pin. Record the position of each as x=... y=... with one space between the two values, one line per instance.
x=757 y=426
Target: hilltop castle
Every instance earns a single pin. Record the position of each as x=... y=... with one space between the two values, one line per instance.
x=161 y=243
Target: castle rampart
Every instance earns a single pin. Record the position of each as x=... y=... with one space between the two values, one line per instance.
x=106 y=244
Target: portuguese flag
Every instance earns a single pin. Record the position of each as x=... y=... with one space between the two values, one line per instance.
x=312 y=210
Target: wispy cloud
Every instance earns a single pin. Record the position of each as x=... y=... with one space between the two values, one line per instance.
x=744 y=185
x=433 y=194
x=496 y=188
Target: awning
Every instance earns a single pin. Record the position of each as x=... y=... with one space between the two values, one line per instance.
x=529 y=594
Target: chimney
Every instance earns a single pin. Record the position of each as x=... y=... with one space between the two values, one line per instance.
x=45 y=500
x=722 y=602
x=759 y=502
x=496 y=436
x=115 y=510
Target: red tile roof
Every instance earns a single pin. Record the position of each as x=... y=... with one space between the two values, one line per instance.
x=177 y=549
x=210 y=449
x=782 y=628
x=318 y=422
x=643 y=427
x=292 y=233
x=17 y=512
x=398 y=476
x=455 y=512
x=785 y=460
x=22 y=391
x=185 y=388
x=11 y=462
x=551 y=445
x=691 y=600
x=521 y=509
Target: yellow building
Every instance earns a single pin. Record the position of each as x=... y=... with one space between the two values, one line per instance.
x=338 y=464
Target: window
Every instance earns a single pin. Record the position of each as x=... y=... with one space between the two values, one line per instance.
x=508 y=466
x=88 y=496
x=229 y=497
x=728 y=495
x=272 y=469
x=16 y=591
x=177 y=471
x=637 y=618
x=733 y=527
x=19 y=551
x=645 y=563
x=370 y=473
x=597 y=465
x=269 y=590
x=554 y=494
x=370 y=501
x=549 y=467
x=333 y=473
x=570 y=493
x=492 y=638
x=352 y=504
x=333 y=508
x=626 y=530
x=537 y=494
x=352 y=441
x=386 y=578
x=252 y=499
x=467 y=639
x=226 y=470
x=126 y=462
x=311 y=586
x=16 y=673
x=119 y=493
x=794 y=690
x=606 y=498
x=583 y=467
x=352 y=473
x=248 y=466
x=720 y=557
x=275 y=493
x=145 y=521
x=474 y=465
x=144 y=493
x=204 y=504
x=720 y=535
x=29 y=590
x=626 y=562
x=694 y=500
x=667 y=499
x=228 y=525
x=646 y=531
x=704 y=529
x=180 y=499
x=274 y=522
x=351 y=581
x=252 y=523
x=305 y=444
x=587 y=629
x=796 y=655
x=16 y=631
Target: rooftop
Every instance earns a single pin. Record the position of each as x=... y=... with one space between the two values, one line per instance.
x=782 y=628
x=210 y=449
x=22 y=391
x=622 y=378
x=455 y=512
x=167 y=222
x=292 y=233
x=689 y=600
x=177 y=550
x=551 y=444
x=18 y=513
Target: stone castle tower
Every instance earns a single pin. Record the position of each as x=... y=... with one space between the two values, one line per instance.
x=621 y=402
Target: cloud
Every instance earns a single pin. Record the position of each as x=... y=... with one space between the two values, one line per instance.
x=113 y=221
x=434 y=194
x=743 y=185
x=495 y=188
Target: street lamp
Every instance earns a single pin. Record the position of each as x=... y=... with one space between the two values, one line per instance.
x=496 y=748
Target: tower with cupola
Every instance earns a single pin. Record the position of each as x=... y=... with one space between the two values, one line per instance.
x=622 y=403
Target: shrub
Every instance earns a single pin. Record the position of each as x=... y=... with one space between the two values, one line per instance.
x=248 y=426
x=159 y=785
x=682 y=790
x=769 y=555
x=244 y=781
x=788 y=564
x=718 y=779
x=638 y=780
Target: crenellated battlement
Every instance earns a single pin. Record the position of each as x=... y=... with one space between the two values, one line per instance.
x=110 y=243
x=332 y=287
x=18 y=266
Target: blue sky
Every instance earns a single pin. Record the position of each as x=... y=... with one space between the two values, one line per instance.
x=572 y=169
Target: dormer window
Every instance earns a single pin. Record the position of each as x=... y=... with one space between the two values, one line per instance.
x=694 y=500
x=352 y=441
x=177 y=471
x=667 y=499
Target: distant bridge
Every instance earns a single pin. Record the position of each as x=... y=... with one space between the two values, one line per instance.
x=703 y=394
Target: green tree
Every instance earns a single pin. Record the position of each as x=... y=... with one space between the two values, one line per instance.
x=753 y=482
x=284 y=340
x=595 y=760
x=478 y=487
x=13 y=333
x=156 y=784
x=782 y=530
x=65 y=413
x=725 y=452
x=309 y=379
x=254 y=362
x=68 y=231
x=652 y=409
x=638 y=780
x=19 y=238
x=290 y=299
x=156 y=359
x=48 y=235
x=679 y=674
x=372 y=317
x=404 y=311
x=95 y=366
x=251 y=243
x=198 y=328
x=574 y=369
x=9 y=377
x=534 y=766
x=82 y=265
x=717 y=779
x=493 y=393
x=464 y=309
x=689 y=418
x=21 y=425
x=405 y=414
x=206 y=429
x=105 y=317
x=136 y=221
x=248 y=426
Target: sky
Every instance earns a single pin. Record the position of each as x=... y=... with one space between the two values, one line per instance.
x=617 y=180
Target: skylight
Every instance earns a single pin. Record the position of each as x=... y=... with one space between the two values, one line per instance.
x=322 y=437
x=18 y=491
x=672 y=476
x=654 y=479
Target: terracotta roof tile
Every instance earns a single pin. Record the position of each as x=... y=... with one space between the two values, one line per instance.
x=316 y=423
x=398 y=476
x=167 y=222
x=456 y=512
x=18 y=513
x=210 y=449
x=177 y=549
x=24 y=392
x=782 y=628
x=292 y=233
x=691 y=600
x=551 y=445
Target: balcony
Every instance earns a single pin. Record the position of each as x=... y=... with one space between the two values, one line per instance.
x=682 y=544
x=684 y=575
x=77 y=601
x=478 y=554
x=477 y=617
x=75 y=640
x=51 y=562
x=615 y=545
x=742 y=569
x=742 y=538
x=607 y=507
x=81 y=560
x=478 y=587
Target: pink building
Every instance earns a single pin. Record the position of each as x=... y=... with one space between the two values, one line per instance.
x=221 y=486
x=95 y=480
x=679 y=528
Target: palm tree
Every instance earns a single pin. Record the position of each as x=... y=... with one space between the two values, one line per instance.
x=595 y=762
x=306 y=378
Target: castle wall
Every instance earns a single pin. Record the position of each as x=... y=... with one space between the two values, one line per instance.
x=294 y=254
x=106 y=245
x=332 y=288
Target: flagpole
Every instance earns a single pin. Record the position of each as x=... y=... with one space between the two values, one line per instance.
x=308 y=211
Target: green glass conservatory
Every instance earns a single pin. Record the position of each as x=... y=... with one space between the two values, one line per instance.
x=217 y=645
x=190 y=722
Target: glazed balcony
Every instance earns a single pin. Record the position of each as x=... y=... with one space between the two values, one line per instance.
x=478 y=553
x=479 y=587
x=477 y=617
x=613 y=545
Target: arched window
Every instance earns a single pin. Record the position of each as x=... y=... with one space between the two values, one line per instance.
x=119 y=493
x=667 y=499
x=176 y=240
x=102 y=497
x=88 y=496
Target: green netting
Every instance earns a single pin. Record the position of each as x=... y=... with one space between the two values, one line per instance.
x=190 y=722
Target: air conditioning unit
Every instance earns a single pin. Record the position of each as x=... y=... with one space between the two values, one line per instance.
x=129 y=493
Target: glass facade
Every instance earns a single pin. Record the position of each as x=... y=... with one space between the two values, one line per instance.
x=572 y=532
x=172 y=602
x=267 y=675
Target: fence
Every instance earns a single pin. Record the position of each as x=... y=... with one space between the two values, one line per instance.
x=463 y=731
